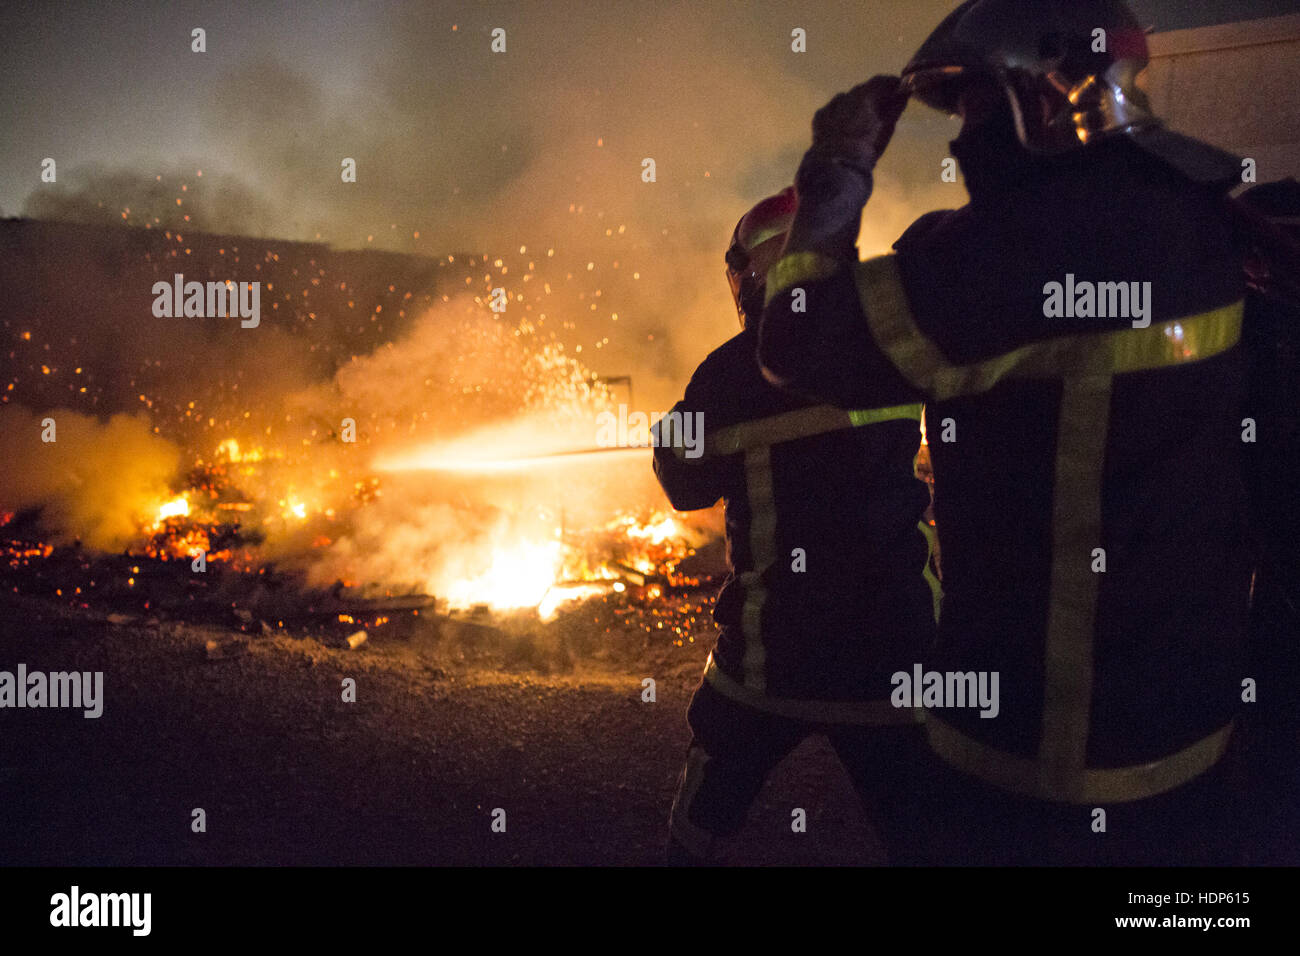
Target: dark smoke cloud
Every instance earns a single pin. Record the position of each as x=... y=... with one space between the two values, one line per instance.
x=103 y=196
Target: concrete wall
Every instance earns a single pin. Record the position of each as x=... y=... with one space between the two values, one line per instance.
x=1236 y=85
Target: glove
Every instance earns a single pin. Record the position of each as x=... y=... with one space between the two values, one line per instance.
x=834 y=180
x=854 y=128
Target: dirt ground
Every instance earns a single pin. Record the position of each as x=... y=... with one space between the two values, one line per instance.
x=452 y=719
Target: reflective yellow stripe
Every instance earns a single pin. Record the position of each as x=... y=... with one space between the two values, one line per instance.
x=936 y=589
x=1111 y=785
x=1082 y=427
x=889 y=317
x=872 y=416
x=766 y=233
x=801 y=423
x=762 y=551
x=1085 y=365
x=776 y=429
x=755 y=439
x=798 y=267
x=870 y=712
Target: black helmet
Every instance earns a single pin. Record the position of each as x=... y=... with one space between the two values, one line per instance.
x=1069 y=69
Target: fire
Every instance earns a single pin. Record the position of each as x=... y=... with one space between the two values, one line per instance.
x=547 y=575
x=231 y=452
x=547 y=571
x=557 y=597
x=514 y=509
x=656 y=532
x=517 y=576
x=176 y=508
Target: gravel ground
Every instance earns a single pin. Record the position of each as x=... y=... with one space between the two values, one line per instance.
x=451 y=720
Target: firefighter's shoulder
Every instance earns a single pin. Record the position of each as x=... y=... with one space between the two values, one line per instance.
x=730 y=386
x=733 y=362
x=927 y=225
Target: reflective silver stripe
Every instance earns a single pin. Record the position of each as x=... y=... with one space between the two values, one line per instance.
x=1105 y=785
x=866 y=712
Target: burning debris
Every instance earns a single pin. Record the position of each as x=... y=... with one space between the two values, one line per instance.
x=429 y=466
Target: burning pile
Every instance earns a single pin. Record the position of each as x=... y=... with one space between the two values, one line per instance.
x=298 y=475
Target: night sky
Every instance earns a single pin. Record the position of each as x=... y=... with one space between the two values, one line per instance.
x=441 y=127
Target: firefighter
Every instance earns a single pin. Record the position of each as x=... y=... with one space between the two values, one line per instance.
x=1088 y=495
x=830 y=591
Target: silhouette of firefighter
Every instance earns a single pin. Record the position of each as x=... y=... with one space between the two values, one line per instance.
x=1089 y=500
x=830 y=590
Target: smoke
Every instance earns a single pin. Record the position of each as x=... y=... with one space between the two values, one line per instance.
x=543 y=145
x=546 y=146
x=106 y=196
x=458 y=368
x=534 y=167
x=463 y=387
x=95 y=482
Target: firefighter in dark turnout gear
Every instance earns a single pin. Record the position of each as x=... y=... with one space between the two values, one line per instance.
x=830 y=590
x=1090 y=507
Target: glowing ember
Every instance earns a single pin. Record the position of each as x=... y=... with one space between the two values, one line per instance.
x=512 y=508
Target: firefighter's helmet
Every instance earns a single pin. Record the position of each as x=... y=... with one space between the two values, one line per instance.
x=1069 y=69
x=756 y=245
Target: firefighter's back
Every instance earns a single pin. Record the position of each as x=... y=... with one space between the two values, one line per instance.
x=1089 y=506
x=827 y=595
